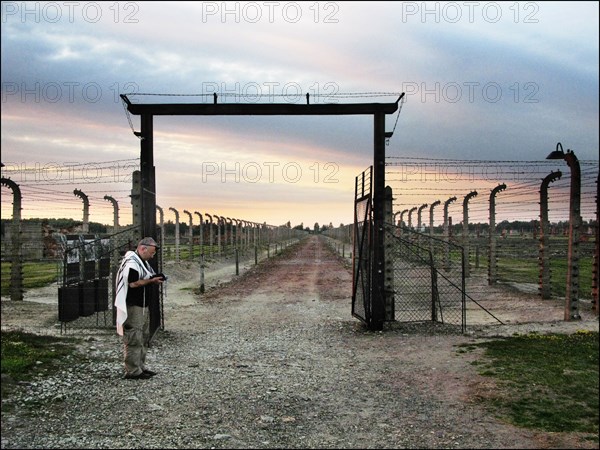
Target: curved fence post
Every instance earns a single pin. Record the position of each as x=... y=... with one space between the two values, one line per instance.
x=16 y=265
x=545 y=288
x=115 y=212
x=201 y=229
x=86 y=210
x=211 y=233
x=447 y=232
x=492 y=259
x=466 y=242
x=176 y=233
x=190 y=234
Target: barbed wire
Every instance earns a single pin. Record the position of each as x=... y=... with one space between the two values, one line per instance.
x=520 y=200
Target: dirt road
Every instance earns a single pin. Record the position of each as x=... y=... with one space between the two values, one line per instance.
x=271 y=360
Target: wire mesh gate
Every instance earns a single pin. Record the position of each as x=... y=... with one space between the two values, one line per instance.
x=87 y=278
x=362 y=243
x=428 y=278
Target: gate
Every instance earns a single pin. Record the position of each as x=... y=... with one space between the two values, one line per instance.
x=86 y=285
x=428 y=278
x=362 y=247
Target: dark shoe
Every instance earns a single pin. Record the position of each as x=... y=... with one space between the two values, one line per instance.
x=141 y=376
x=149 y=372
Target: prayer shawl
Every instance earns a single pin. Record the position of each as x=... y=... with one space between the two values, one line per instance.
x=131 y=260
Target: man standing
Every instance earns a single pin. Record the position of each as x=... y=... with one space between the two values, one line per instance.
x=134 y=278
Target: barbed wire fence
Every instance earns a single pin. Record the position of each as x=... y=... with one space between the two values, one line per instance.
x=38 y=252
x=501 y=201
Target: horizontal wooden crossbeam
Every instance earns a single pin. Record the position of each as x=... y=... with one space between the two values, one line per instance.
x=258 y=109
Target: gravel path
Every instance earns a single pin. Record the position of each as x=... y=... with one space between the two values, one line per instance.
x=272 y=360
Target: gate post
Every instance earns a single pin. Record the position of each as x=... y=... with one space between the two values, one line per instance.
x=136 y=204
x=148 y=180
x=378 y=267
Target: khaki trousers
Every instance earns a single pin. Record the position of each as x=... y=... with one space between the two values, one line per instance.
x=136 y=336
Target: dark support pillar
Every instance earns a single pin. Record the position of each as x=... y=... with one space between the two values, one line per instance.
x=148 y=181
x=148 y=189
x=136 y=203
x=378 y=266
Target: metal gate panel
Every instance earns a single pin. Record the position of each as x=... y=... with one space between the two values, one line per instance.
x=362 y=243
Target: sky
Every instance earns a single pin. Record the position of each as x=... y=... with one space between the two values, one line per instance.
x=482 y=80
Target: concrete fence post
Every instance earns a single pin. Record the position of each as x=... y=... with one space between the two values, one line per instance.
x=545 y=288
x=176 y=233
x=596 y=251
x=572 y=289
x=201 y=230
x=211 y=234
x=492 y=258
x=86 y=210
x=202 y=288
x=447 y=232
x=219 y=224
x=466 y=241
x=431 y=207
x=115 y=212
x=16 y=266
x=190 y=234
x=161 y=224
x=410 y=212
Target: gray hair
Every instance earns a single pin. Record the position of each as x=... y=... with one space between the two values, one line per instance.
x=148 y=241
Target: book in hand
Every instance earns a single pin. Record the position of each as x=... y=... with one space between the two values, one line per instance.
x=162 y=276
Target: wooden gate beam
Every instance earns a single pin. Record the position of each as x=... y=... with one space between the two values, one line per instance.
x=258 y=109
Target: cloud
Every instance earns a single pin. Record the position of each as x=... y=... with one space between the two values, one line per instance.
x=477 y=85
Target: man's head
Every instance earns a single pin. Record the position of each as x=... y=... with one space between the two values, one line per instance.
x=146 y=248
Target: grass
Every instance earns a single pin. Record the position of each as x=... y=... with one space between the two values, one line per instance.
x=25 y=356
x=527 y=271
x=547 y=382
x=35 y=274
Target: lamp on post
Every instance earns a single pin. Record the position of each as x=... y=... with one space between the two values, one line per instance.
x=572 y=288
